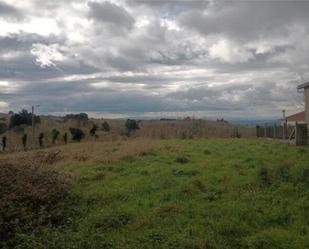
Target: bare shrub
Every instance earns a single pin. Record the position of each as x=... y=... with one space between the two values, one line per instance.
x=30 y=195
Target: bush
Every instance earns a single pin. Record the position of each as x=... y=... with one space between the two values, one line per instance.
x=4 y=139
x=77 y=134
x=131 y=125
x=30 y=196
x=106 y=127
x=3 y=127
x=24 y=140
x=55 y=133
x=65 y=138
x=93 y=130
x=41 y=137
x=23 y=118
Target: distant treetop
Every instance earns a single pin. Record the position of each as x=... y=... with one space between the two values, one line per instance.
x=23 y=118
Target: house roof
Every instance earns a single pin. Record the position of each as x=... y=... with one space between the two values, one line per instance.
x=300 y=116
x=304 y=85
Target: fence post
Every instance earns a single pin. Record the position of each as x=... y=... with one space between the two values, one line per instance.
x=258 y=131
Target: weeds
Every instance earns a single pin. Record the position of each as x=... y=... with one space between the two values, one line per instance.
x=156 y=202
x=112 y=221
x=207 y=152
x=264 y=177
x=181 y=159
x=188 y=173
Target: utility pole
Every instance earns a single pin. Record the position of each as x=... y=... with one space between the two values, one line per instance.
x=33 y=129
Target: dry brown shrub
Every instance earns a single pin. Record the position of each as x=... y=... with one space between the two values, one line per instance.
x=31 y=194
x=48 y=157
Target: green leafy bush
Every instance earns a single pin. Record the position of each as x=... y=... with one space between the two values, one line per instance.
x=77 y=134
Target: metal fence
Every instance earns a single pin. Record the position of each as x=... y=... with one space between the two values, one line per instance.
x=295 y=134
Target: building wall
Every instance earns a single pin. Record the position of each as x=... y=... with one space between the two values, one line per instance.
x=307 y=109
x=307 y=104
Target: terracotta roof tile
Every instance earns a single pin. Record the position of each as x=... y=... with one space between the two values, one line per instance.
x=296 y=117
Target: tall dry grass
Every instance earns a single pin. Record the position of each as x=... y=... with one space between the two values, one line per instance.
x=149 y=129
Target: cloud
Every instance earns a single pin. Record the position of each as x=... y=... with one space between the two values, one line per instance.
x=117 y=17
x=227 y=51
x=3 y=106
x=46 y=55
x=8 y=11
x=246 y=19
x=225 y=57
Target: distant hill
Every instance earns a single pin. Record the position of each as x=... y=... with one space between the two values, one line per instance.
x=253 y=122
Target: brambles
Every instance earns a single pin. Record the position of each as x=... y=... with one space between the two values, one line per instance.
x=30 y=195
x=77 y=134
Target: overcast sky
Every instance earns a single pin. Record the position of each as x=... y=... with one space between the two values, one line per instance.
x=218 y=58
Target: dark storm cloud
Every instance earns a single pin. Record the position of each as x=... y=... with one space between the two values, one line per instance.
x=81 y=95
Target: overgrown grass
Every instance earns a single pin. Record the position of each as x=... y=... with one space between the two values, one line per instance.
x=218 y=193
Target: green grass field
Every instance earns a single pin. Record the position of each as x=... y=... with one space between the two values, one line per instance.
x=218 y=193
